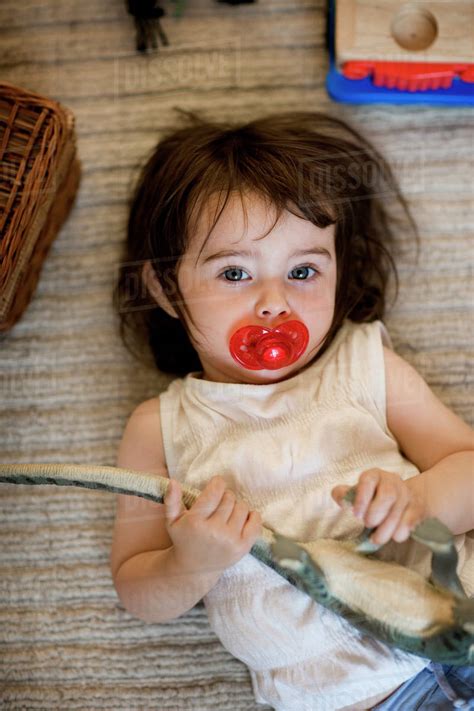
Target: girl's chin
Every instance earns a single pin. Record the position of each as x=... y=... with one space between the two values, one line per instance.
x=235 y=373
x=270 y=376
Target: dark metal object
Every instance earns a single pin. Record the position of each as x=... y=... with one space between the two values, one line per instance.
x=147 y=21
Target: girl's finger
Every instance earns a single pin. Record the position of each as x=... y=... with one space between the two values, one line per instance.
x=365 y=491
x=239 y=516
x=381 y=505
x=391 y=523
x=209 y=499
x=338 y=492
x=226 y=506
x=411 y=517
x=173 y=502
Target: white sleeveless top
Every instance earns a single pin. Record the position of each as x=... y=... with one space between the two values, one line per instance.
x=282 y=447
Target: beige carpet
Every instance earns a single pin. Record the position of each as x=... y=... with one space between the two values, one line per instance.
x=67 y=385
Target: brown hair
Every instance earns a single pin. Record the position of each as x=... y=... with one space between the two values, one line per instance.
x=310 y=163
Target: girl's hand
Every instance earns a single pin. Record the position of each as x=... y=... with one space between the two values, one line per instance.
x=216 y=532
x=386 y=502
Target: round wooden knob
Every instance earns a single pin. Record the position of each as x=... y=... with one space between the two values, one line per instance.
x=414 y=28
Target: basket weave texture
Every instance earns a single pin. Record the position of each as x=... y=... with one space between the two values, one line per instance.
x=39 y=178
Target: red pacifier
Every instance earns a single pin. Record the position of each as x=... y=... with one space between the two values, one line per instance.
x=260 y=348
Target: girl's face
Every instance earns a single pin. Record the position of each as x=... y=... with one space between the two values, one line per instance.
x=239 y=280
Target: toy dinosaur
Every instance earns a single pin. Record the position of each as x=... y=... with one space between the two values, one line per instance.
x=430 y=618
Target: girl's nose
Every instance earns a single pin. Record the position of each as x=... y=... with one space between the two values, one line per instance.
x=272 y=304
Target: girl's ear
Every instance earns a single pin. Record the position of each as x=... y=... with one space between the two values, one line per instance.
x=156 y=290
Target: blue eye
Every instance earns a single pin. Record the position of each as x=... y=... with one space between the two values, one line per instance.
x=233 y=270
x=305 y=272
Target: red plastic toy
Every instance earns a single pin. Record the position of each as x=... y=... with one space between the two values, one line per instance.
x=260 y=348
x=409 y=76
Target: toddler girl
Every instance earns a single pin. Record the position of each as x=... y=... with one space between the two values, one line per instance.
x=265 y=252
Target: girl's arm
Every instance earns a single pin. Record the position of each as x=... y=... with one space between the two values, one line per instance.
x=149 y=581
x=436 y=440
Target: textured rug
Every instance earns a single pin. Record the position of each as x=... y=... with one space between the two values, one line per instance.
x=67 y=386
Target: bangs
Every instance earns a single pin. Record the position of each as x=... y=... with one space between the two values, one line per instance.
x=241 y=164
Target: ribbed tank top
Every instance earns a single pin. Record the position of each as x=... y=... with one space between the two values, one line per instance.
x=282 y=447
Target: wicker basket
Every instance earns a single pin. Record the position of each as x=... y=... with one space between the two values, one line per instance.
x=39 y=178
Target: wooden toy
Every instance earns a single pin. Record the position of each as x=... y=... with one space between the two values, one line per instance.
x=401 y=50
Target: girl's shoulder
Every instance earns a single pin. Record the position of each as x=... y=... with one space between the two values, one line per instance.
x=425 y=428
x=142 y=441
x=148 y=407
